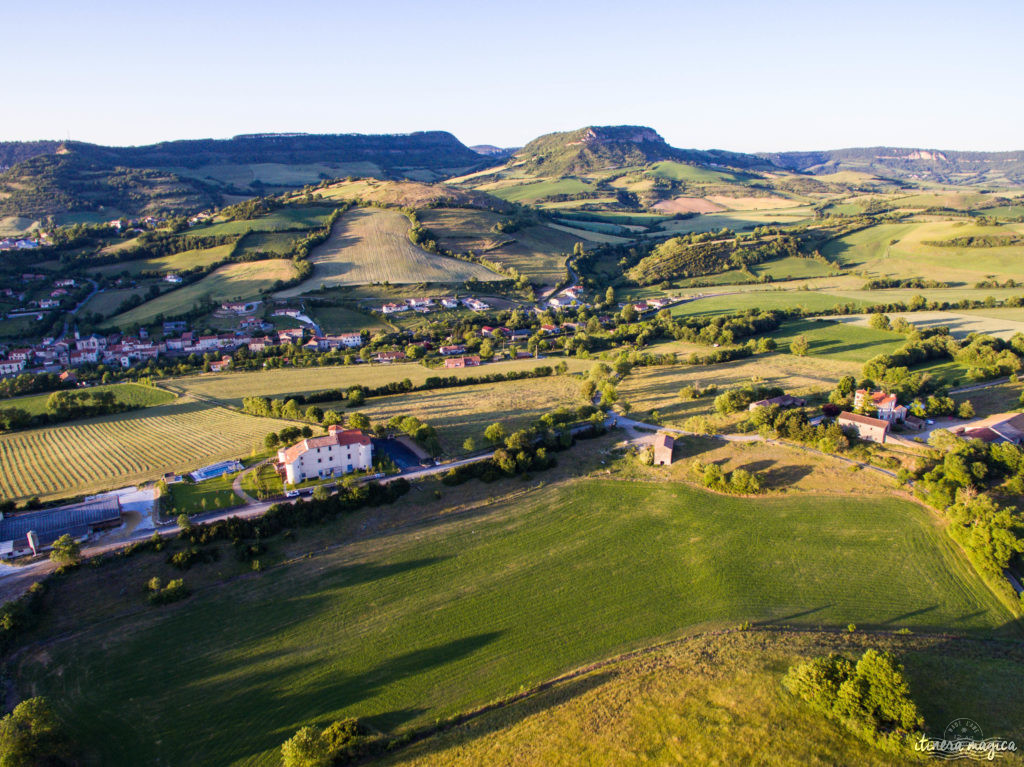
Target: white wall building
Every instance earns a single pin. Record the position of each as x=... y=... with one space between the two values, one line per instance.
x=342 y=451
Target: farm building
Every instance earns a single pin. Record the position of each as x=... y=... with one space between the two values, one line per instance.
x=663 y=445
x=783 y=400
x=867 y=428
x=76 y=520
x=1001 y=427
x=342 y=451
x=471 y=361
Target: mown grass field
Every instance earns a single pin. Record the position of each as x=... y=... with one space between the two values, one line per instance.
x=656 y=389
x=839 y=340
x=765 y=300
x=537 y=252
x=719 y=700
x=231 y=388
x=436 y=618
x=791 y=268
x=537 y=190
x=133 y=394
x=292 y=217
x=232 y=282
x=466 y=411
x=960 y=324
x=187 y=259
x=911 y=249
x=124 y=449
x=340 y=319
x=372 y=245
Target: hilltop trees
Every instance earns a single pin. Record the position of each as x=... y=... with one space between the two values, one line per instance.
x=32 y=736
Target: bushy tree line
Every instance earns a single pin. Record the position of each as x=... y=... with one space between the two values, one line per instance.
x=738 y=481
x=871 y=697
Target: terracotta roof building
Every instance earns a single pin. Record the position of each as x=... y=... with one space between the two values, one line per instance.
x=339 y=452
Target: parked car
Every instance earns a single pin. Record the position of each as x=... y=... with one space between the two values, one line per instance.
x=292 y=494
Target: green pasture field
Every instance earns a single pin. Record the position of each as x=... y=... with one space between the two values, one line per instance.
x=198 y=497
x=718 y=699
x=737 y=220
x=791 y=267
x=232 y=388
x=538 y=190
x=839 y=340
x=432 y=619
x=187 y=259
x=278 y=243
x=592 y=236
x=537 y=252
x=764 y=300
x=902 y=250
x=134 y=394
x=1001 y=398
x=282 y=219
x=947 y=373
x=341 y=319
x=1003 y=211
x=19 y=328
x=231 y=282
x=372 y=245
x=15 y=225
x=466 y=411
x=124 y=449
x=677 y=171
x=652 y=390
x=109 y=301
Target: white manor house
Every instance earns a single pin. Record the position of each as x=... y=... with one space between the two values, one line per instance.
x=342 y=451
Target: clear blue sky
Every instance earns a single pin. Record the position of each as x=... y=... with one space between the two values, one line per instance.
x=746 y=76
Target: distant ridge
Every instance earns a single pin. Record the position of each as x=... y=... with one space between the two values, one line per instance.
x=617 y=146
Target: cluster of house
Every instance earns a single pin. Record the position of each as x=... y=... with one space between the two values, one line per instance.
x=650 y=304
x=425 y=305
x=888 y=411
x=568 y=297
x=22 y=243
x=124 y=351
x=134 y=223
x=59 y=290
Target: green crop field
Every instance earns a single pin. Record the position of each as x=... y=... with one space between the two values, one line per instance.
x=232 y=282
x=432 y=619
x=133 y=394
x=108 y=302
x=904 y=250
x=537 y=252
x=764 y=300
x=187 y=259
x=677 y=171
x=839 y=340
x=231 y=388
x=114 y=451
x=466 y=411
x=537 y=190
x=277 y=243
x=791 y=268
x=340 y=319
x=291 y=217
x=372 y=245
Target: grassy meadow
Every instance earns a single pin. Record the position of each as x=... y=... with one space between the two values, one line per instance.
x=764 y=300
x=124 y=449
x=188 y=259
x=283 y=219
x=431 y=619
x=232 y=282
x=839 y=340
x=372 y=245
x=468 y=410
x=537 y=252
x=231 y=388
x=718 y=699
x=136 y=395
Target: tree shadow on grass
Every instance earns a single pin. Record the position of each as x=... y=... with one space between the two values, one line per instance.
x=472 y=726
x=365 y=572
